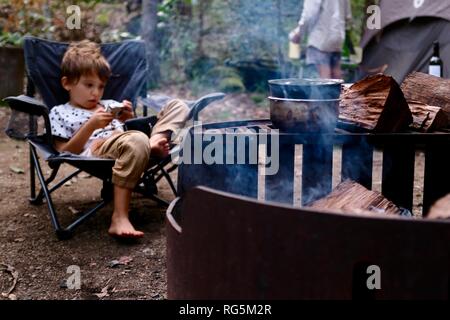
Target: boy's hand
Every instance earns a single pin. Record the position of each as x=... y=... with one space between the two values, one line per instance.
x=127 y=112
x=100 y=119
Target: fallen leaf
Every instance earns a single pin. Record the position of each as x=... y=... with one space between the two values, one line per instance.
x=12 y=296
x=113 y=263
x=17 y=170
x=103 y=293
x=14 y=274
x=73 y=210
x=125 y=260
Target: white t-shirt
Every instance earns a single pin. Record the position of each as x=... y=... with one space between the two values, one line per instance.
x=325 y=21
x=66 y=120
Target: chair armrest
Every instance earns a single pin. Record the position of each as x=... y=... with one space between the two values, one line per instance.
x=202 y=103
x=28 y=105
x=144 y=124
x=155 y=101
x=33 y=107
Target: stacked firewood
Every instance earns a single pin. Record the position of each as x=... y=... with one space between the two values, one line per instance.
x=351 y=197
x=378 y=104
x=441 y=209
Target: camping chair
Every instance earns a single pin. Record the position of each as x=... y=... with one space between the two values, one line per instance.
x=129 y=71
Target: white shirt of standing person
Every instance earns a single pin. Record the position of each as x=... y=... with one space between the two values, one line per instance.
x=324 y=21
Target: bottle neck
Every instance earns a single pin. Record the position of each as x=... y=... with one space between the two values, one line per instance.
x=436 y=50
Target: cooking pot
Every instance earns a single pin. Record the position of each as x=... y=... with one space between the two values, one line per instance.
x=304 y=115
x=305 y=88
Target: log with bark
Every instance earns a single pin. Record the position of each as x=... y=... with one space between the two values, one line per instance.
x=428 y=89
x=351 y=197
x=427 y=118
x=441 y=209
x=376 y=104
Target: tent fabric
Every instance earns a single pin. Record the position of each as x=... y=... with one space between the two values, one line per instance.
x=405 y=44
x=127 y=60
x=406 y=47
x=395 y=10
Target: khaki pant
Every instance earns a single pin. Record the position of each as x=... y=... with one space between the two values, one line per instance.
x=131 y=149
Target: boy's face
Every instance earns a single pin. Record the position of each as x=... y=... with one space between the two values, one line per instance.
x=87 y=92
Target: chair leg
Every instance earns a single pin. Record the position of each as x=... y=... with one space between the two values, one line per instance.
x=169 y=180
x=62 y=233
x=33 y=198
x=45 y=190
x=37 y=200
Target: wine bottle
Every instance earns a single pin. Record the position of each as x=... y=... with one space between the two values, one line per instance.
x=436 y=65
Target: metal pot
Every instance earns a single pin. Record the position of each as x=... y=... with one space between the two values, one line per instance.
x=304 y=115
x=305 y=88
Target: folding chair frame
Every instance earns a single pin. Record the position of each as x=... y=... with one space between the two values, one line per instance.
x=97 y=167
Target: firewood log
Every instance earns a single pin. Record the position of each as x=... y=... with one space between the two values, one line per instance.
x=427 y=118
x=351 y=197
x=441 y=209
x=377 y=104
x=428 y=89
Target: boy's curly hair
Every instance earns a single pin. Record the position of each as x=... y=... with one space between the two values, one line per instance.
x=84 y=58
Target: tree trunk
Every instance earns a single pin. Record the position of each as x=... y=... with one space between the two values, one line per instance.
x=203 y=6
x=150 y=36
x=184 y=8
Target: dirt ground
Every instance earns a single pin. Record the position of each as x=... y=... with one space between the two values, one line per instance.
x=31 y=254
x=29 y=245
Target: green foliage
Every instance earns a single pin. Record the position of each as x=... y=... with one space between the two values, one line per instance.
x=259 y=98
x=18 y=19
x=231 y=84
x=358 y=23
x=10 y=39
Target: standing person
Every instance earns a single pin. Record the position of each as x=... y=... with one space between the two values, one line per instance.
x=324 y=21
x=84 y=126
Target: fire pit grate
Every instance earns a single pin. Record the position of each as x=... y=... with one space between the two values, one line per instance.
x=241 y=177
x=224 y=246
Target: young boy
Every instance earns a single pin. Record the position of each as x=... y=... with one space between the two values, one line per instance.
x=82 y=126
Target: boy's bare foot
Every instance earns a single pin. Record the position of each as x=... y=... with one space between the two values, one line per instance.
x=159 y=145
x=121 y=227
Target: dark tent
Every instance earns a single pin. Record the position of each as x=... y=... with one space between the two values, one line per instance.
x=405 y=41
